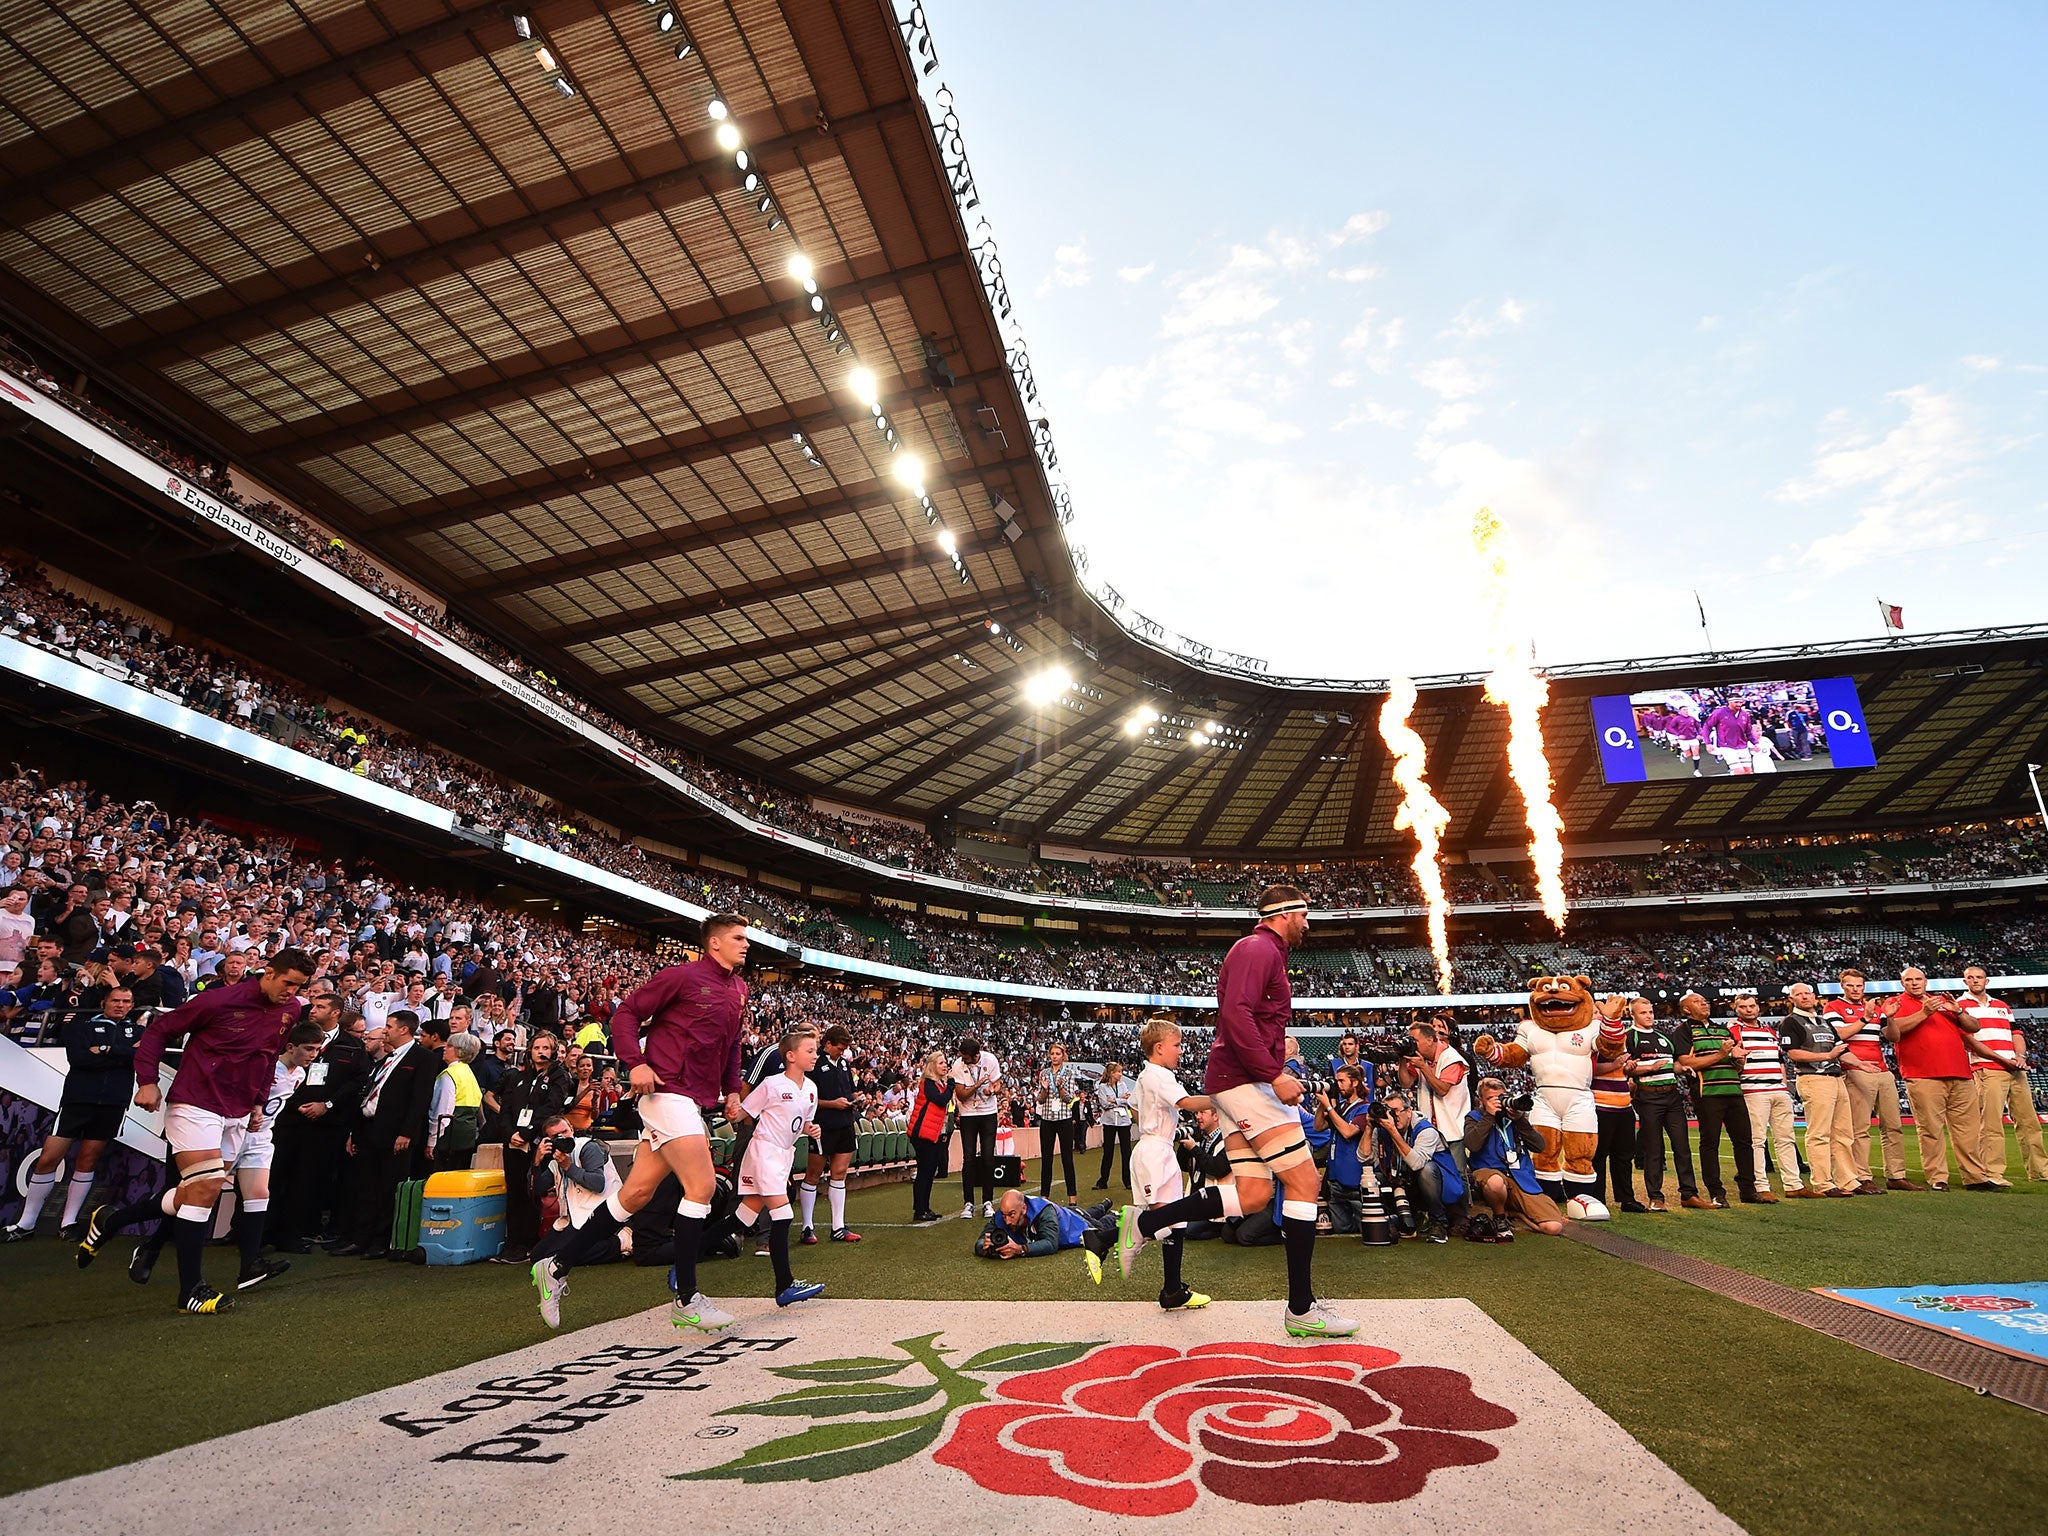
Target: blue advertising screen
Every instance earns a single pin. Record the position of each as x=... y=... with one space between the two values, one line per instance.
x=1727 y=730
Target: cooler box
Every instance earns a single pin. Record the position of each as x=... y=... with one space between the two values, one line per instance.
x=462 y=1216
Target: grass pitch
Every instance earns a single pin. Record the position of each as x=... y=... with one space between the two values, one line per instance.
x=1779 y=1426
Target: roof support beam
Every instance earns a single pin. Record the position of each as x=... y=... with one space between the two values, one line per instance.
x=921 y=710
x=1176 y=764
x=819 y=578
x=658 y=542
x=619 y=466
x=915 y=661
x=517 y=379
x=1333 y=736
x=271 y=310
x=1221 y=795
x=923 y=620
x=180 y=140
x=1044 y=748
x=1002 y=721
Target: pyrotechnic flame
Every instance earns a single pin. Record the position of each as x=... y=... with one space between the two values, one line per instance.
x=1514 y=684
x=1421 y=814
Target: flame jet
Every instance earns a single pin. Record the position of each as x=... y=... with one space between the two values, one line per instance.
x=1422 y=814
x=1517 y=687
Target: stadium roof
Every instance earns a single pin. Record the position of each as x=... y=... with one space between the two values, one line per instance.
x=480 y=286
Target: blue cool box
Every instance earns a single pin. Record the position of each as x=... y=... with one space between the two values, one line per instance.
x=462 y=1218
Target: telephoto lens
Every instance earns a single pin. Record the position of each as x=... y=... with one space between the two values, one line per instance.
x=1375 y=1230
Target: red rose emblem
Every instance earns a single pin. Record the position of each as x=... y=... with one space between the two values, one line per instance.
x=1988 y=1303
x=174 y=487
x=1140 y=1429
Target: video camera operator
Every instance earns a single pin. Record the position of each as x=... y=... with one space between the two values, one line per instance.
x=1427 y=1166
x=1498 y=1139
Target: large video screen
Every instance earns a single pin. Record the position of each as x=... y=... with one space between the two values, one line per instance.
x=1733 y=730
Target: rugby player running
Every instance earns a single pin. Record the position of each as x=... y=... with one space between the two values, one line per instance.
x=233 y=1037
x=1256 y=1097
x=693 y=1015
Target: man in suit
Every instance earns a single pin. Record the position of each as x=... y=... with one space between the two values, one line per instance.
x=313 y=1131
x=391 y=1132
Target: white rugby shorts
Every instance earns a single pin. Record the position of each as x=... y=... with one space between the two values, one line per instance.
x=258 y=1151
x=188 y=1128
x=1251 y=1109
x=765 y=1170
x=666 y=1117
x=1155 y=1172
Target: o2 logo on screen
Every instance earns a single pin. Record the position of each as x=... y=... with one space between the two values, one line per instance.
x=1731 y=730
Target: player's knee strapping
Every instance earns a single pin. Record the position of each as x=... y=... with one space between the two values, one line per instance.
x=1249 y=1165
x=201 y=1171
x=1293 y=1155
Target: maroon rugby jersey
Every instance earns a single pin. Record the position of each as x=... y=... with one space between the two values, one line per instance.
x=233 y=1037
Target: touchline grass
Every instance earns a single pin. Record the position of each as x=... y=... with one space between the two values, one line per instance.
x=1778 y=1425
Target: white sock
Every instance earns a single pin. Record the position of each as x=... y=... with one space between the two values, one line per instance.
x=39 y=1187
x=808 y=1193
x=835 y=1195
x=74 y=1197
x=745 y=1217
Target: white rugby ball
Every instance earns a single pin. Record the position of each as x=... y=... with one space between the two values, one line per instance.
x=1585 y=1208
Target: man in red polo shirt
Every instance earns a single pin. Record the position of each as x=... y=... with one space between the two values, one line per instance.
x=1929 y=1031
x=1998 y=1056
x=1869 y=1084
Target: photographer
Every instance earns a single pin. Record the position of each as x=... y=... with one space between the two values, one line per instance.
x=1428 y=1167
x=1497 y=1141
x=1208 y=1163
x=577 y=1173
x=1347 y=1120
x=1441 y=1081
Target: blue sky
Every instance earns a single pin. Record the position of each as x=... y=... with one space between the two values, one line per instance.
x=1747 y=300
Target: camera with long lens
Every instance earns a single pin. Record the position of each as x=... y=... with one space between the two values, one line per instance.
x=1520 y=1104
x=1390 y=1053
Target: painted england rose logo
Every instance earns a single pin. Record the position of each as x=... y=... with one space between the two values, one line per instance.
x=1133 y=1429
x=1141 y=1429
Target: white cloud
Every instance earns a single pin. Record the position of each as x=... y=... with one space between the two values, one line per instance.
x=1372 y=342
x=1235 y=296
x=1452 y=378
x=1293 y=340
x=1069 y=269
x=1472 y=322
x=1710 y=322
x=1906 y=481
x=1118 y=388
x=1982 y=364
x=1136 y=274
x=1362 y=226
x=1354 y=274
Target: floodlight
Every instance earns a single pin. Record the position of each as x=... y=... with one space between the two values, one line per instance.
x=562 y=84
x=909 y=468
x=717 y=109
x=862 y=382
x=545 y=60
x=948 y=543
x=728 y=137
x=667 y=21
x=800 y=267
x=523 y=25
x=1047 y=686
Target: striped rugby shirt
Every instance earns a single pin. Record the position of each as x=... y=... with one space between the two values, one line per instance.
x=1659 y=1044
x=1722 y=1079
x=1764 y=1070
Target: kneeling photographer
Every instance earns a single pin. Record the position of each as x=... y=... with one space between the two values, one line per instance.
x=1426 y=1164
x=576 y=1174
x=1498 y=1141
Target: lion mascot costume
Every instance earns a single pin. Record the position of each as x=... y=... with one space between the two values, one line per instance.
x=1565 y=1027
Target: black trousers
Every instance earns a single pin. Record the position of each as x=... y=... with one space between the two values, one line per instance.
x=305 y=1182
x=1662 y=1116
x=1718 y=1112
x=1114 y=1136
x=379 y=1172
x=522 y=1211
x=978 y=1155
x=929 y=1155
x=1066 y=1135
x=1614 y=1159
